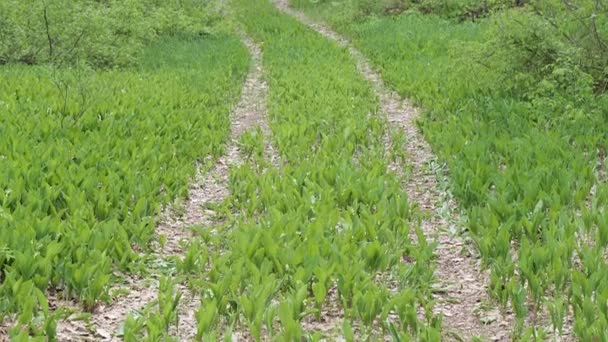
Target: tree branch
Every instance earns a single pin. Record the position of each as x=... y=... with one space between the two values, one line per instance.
x=48 y=31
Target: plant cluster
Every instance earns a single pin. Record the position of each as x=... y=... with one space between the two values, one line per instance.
x=154 y=322
x=88 y=158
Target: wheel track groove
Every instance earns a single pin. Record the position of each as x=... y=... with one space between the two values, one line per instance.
x=462 y=285
x=212 y=187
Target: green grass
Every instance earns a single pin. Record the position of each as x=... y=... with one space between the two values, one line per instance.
x=88 y=157
x=331 y=215
x=522 y=161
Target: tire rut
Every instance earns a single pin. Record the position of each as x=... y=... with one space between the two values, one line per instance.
x=210 y=188
x=461 y=292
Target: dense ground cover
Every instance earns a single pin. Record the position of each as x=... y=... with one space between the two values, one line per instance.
x=318 y=246
x=525 y=146
x=88 y=157
x=104 y=120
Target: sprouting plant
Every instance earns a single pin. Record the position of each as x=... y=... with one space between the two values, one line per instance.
x=132 y=328
x=252 y=144
x=168 y=300
x=321 y=286
x=206 y=318
x=194 y=260
x=255 y=303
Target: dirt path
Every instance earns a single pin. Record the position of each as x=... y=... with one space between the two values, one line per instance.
x=206 y=189
x=462 y=286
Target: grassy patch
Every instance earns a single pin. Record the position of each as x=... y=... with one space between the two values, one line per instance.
x=324 y=236
x=523 y=153
x=87 y=158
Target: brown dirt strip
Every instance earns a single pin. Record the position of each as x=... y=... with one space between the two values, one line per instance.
x=461 y=295
x=210 y=188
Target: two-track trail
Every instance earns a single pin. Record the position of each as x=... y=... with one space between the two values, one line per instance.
x=461 y=290
x=106 y=321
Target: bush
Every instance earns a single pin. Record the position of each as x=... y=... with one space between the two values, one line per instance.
x=358 y=10
x=103 y=34
x=582 y=25
x=531 y=50
x=465 y=9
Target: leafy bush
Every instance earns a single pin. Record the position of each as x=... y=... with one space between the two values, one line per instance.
x=583 y=26
x=99 y=33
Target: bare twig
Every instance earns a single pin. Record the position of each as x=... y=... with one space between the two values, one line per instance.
x=48 y=31
x=74 y=45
